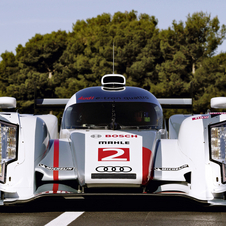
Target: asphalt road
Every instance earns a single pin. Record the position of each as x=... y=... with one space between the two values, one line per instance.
x=114 y=211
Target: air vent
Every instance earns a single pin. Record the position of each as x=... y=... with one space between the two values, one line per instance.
x=113 y=82
x=113 y=176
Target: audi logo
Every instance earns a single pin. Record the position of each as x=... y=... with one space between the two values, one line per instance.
x=113 y=169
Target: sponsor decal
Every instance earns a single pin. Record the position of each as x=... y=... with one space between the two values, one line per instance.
x=56 y=168
x=136 y=98
x=123 y=98
x=109 y=98
x=95 y=136
x=217 y=113
x=171 y=169
x=116 y=169
x=121 y=135
x=86 y=98
x=113 y=142
x=113 y=154
x=200 y=117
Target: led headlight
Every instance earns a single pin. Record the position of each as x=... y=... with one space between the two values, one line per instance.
x=218 y=142
x=217 y=135
x=8 y=146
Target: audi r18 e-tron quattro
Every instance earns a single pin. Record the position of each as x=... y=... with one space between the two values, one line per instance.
x=112 y=140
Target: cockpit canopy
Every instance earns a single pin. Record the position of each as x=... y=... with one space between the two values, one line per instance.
x=113 y=115
x=113 y=106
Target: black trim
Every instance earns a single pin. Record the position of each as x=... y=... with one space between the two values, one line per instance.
x=187 y=177
x=110 y=195
x=154 y=158
x=113 y=176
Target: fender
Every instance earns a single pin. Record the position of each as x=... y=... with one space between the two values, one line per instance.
x=57 y=165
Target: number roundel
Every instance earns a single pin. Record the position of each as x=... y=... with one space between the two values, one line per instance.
x=113 y=154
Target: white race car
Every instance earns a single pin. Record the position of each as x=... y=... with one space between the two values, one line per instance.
x=112 y=141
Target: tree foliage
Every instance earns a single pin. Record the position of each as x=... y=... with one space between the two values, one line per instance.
x=165 y=62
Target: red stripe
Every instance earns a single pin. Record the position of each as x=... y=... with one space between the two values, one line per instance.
x=55 y=175
x=146 y=163
x=55 y=188
x=56 y=159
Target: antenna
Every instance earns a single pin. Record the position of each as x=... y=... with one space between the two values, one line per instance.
x=113 y=58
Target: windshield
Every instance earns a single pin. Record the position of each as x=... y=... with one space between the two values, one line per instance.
x=113 y=115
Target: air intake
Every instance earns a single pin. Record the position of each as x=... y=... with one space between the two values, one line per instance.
x=113 y=82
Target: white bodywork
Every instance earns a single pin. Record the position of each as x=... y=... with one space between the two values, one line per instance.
x=106 y=158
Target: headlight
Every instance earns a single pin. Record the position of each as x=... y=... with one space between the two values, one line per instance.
x=218 y=142
x=8 y=146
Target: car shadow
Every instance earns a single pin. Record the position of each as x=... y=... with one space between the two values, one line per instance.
x=115 y=203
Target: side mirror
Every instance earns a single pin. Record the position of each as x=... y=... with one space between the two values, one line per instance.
x=218 y=102
x=7 y=102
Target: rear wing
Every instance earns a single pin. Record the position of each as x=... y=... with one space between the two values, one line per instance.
x=51 y=102
x=173 y=103
x=165 y=103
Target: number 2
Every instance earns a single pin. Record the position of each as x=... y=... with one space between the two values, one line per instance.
x=123 y=153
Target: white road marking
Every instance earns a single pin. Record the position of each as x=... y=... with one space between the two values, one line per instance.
x=64 y=219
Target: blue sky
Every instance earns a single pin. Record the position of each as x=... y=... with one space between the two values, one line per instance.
x=20 y=20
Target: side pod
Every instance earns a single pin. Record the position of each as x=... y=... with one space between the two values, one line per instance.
x=172 y=168
x=57 y=164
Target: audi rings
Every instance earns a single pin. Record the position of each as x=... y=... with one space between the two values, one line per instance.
x=118 y=169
